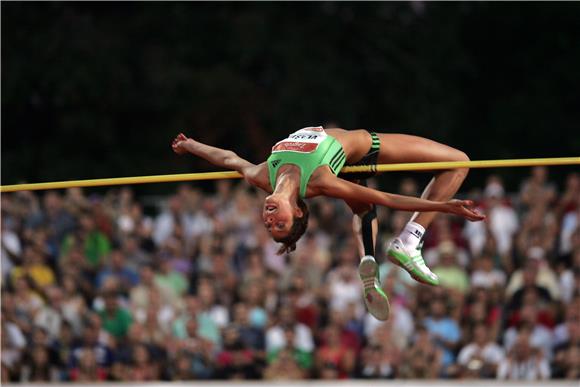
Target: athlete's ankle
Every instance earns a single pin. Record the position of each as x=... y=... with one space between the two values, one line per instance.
x=411 y=235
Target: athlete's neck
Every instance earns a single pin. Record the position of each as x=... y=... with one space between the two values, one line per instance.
x=288 y=183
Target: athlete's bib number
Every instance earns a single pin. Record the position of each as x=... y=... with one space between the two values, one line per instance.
x=304 y=140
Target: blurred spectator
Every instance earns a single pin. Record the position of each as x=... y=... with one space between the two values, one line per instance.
x=451 y=274
x=13 y=345
x=444 y=331
x=53 y=216
x=284 y=367
x=335 y=354
x=116 y=320
x=537 y=188
x=10 y=249
x=275 y=337
x=49 y=316
x=172 y=221
x=236 y=360
x=485 y=275
x=38 y=368
x=481 y=357
x=172 y=283
x=117 y=268
x=343 y=282
x=502 y=220
x=88 y=370
x=536 y=272
x=380 y=361
x=302 y=358
x=35 y=268
x=90 y=340
x=422 y=360
x=142 y=367
x=524 y=362
x=567 y=345
x=73 y=304
x=251 y=332
x=94 y=244
x=539 y=336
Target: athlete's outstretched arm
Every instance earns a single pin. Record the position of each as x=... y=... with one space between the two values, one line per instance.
x=217 y=156
x=339 y=188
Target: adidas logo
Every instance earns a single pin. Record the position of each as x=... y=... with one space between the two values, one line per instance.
x=275 y=163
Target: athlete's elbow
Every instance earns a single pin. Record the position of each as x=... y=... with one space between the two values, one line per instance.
x=229 y=159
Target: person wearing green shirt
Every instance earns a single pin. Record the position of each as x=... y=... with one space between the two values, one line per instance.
x=115 y=320
x=302 y=358
x=95 y=244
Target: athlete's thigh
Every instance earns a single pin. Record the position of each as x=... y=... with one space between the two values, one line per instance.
x=404 y=148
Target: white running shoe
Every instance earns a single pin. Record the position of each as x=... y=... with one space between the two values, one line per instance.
x=412 y=261
x=376 y=300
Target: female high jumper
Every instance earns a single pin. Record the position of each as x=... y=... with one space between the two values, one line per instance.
x=307 y=164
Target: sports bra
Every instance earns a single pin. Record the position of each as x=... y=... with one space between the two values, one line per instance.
x=308 y=149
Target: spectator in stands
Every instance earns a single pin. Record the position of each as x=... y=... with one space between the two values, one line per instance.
x=236 y=360
x=423 y=359
x=333 y=352
x=380 y=361
x=276 y=339
x=117 y=268
x=444 y=331
x=116 y=320
x=34 y=267
x=95 y=245
x=481 y=357
x=302 y=358
x=49 y=316
x=251 y=332
x=524 y=361
x=451 y=274
x=284 y=367
x=38 y=367
x=537 y=188
x=485 y=275
x=87 y=370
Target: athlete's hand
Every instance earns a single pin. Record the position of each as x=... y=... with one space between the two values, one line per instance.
x=461 y=207
x=178 y=144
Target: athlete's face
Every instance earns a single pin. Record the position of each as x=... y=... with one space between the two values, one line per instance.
x=277 y=215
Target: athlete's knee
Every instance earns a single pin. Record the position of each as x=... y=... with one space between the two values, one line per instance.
x=461 y=156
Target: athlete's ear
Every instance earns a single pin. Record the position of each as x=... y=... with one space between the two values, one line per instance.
x=298 y=212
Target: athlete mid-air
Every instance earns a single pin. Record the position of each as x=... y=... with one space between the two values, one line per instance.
x=307 y=164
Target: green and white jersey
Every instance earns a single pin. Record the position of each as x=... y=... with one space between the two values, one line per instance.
x=308 y=149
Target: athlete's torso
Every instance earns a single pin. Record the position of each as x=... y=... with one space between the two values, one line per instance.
x=308 y=149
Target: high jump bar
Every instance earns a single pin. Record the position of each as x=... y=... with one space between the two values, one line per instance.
x=432 y=166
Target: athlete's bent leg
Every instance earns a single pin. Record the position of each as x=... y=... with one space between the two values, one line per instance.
x=365 y=227
x=400 y=148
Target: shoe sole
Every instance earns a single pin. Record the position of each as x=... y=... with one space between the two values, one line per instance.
x=391 y=256
x=376 y=301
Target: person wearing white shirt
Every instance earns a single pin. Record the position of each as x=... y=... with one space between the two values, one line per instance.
x=481 y=354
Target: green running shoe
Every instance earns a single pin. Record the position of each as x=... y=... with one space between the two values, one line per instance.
x=412 y=261
x=376 y=300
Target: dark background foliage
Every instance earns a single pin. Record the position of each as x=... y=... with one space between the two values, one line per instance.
x=100 y=89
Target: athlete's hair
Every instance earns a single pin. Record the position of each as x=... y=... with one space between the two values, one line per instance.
x=298 y=229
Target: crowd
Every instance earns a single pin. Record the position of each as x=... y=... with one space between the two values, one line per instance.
x=95 y=288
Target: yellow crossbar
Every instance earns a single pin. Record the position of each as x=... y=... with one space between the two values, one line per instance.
x=236 y=175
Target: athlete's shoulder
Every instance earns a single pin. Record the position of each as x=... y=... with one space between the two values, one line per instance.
x=321 y=181
x=257 y=176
